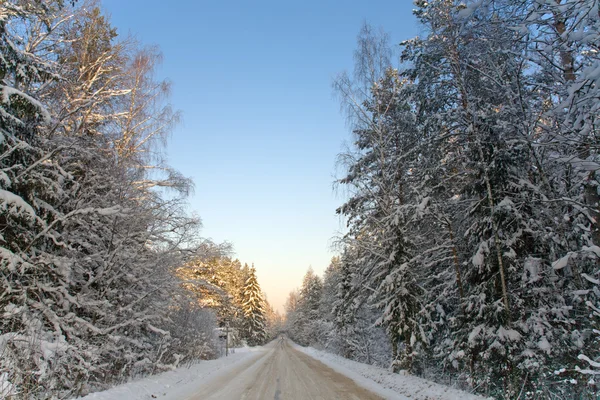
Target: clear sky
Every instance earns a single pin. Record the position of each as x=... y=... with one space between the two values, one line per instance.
x=261 y=128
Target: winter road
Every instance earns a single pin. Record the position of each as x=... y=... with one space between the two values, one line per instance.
x=282 y=373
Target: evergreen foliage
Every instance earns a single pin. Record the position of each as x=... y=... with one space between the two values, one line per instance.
x=472 y=207
x=255 y=310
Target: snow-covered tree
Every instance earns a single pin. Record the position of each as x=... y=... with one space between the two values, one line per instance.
x=217 y=281
x=381 y=206
x=253 y=308
x=305 y=330
x=89 y=245
x=472 y=197
x=274 y=320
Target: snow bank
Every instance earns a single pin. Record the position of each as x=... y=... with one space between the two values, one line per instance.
x=385 y=383
x=178 y=384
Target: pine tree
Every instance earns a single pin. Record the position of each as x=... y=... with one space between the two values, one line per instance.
x=308 y=309
x=274 y=320
x=380 y=168
x=253 y=307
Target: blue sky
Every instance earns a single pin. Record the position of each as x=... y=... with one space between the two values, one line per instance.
x=261 y=128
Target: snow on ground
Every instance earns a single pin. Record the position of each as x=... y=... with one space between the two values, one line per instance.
x=177 y=384
x=385 y=383
x=184 y=383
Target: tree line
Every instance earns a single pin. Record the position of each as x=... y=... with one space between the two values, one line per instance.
x=232 y=291
x=471 y=252
x=96 y=247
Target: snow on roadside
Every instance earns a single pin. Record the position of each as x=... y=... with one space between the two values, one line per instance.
x=176 y=384
x=385 y=383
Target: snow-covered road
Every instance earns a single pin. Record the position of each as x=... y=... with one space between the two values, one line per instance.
x=282 y=372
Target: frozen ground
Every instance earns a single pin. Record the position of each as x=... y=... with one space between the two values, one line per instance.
x=281 y=371
x=385 y=383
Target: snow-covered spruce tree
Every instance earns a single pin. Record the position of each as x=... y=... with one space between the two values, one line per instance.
x=355 y=334
x=382 y=204
x=307 y=311
x=308 y=319
x=331 y=280
x=291 y=314
x=253 y=307
x=274 y=320
x=347 y=297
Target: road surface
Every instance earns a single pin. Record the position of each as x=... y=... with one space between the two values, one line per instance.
x=282 y=373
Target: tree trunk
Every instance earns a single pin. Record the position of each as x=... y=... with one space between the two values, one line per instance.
x=497 y=244
x=566 y=57
x=471 y=122
x=461 y=292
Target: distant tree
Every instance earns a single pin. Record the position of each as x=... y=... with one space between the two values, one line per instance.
x=291 y=313
x=254 y=309
x=304 y=311
x=217 y=283
x=331 y=281
x=274 y=320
